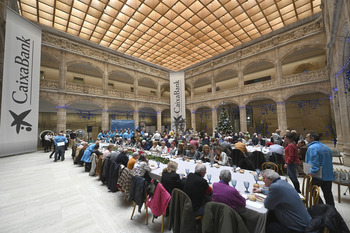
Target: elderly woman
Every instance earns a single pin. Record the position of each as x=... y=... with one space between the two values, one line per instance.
x=205 y=154
x=170 y=179
x=220 y=157
x=163 y=149
x=141 y=168
x=155 y=148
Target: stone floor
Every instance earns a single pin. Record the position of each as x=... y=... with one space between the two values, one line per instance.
x=38 y=195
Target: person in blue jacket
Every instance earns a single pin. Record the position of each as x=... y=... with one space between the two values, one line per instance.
x=60 y=144
x=319 y=155
x=88 y=152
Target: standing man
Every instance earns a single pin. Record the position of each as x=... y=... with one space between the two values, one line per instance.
x=60 y=144
x=287 y=212
x=319 y=155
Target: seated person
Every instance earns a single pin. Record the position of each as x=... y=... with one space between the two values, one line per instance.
x=108 y=151
x=258 y=140
x=240 y=146
x=276 y=148
x=173 y=149
x=220 y=157
x=145 y=145
x=123 y=158
x=205 y=155
x=155 y=148
x=141 y=168
x=133 y=160
x=247 y=141
x=181 y=149
x=287 y=212
x=224 y=193
x=192 y=153
x=163 y=149
x=170 y=179
x=197 y=188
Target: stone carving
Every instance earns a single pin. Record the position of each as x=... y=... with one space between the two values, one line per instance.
x=51 y=40
x=306 y=77
x=48 y=84
x=283 y=38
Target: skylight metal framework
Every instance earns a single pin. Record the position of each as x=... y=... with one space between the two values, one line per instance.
x=174 y=34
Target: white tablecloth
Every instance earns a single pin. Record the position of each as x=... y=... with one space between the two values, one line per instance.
x=256 y=208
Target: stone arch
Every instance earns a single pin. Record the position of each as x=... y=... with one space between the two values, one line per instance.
x=262 y=61
x=201 y=80
x=258 y=96
x=83 y=62
x=48 y=59
x=292 y=49
x=306 y=90
x=147 y=82
x=78 y=100
x=227 y=101
x=226 y=72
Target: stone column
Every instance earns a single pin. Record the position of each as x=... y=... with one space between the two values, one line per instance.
x=61 y=119
x=214 y=117
x=192 y=93
x=278 y=67
x=240 y=79
x=243 y=118
x=158 y=93
x=213 y=86
x=159 y=121
x=105 y=80
x=105 y=119
x=193 y=120
x=136 y=87
x=136 y=118
x=62 y=75
x=281 y=117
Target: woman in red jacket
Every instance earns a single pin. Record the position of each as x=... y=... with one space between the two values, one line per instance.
x=292 y=160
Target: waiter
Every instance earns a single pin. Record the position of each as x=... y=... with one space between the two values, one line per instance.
x=60 y=143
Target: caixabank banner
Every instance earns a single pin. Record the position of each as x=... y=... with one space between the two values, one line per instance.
x=21 y=86
x=177 y=101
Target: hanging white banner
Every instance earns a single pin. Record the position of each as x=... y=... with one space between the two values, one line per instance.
x=20 y=86
x=177 y=101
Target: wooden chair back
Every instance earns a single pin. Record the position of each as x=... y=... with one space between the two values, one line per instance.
x=269 y=165
x=307 y=183
x=314 y=195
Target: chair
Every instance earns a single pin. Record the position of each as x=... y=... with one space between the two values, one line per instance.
x=269 y=165
x=257 y=159
x=138 y=194
x=236 y=156
x=220 y=218
x=307 y=183
x=181 y=215
x=336 y=153
x=314 y=195
x=279 y=160
x=158 y=202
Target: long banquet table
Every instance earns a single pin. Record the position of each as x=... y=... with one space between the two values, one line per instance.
x=254 y=208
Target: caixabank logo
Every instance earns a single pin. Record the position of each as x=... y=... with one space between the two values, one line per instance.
x=22 y=92
x=18 y=121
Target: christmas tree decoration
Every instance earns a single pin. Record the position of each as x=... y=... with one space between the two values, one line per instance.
x=224 y=124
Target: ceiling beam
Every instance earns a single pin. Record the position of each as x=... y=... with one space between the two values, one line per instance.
x=70 y=13
x=84 y=17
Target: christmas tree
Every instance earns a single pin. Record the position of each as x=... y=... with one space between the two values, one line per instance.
x=224 y=124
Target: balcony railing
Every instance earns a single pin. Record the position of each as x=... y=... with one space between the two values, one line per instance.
x=91 y=90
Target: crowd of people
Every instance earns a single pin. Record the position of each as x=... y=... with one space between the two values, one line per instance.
x=287 y=213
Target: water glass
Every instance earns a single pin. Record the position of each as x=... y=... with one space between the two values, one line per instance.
x=209 y=178
x=246 y=185
x=234 y=182
x=187 y=171
x=234 y=167
x=158 y=162
x=256 y=178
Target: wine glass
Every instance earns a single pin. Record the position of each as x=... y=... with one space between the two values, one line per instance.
x=234 y=182
x=256 y=178
x=211 y=162
x=209 y=178
x=158 y=162
x=187 y=171
x=246 y=185
x=234 y=167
